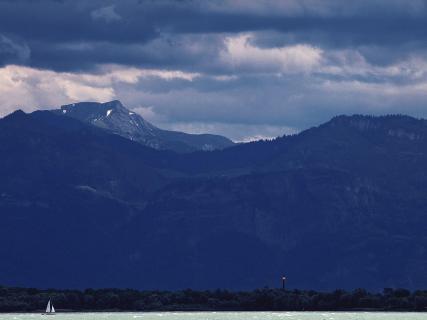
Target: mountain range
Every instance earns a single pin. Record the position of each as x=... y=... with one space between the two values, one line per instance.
x=341 y=205
x=114 y=117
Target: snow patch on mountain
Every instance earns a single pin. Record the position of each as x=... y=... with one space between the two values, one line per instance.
x=114 y=117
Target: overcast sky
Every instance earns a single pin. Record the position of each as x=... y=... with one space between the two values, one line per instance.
x=245 y=69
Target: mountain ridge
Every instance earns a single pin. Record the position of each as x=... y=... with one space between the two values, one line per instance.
x=338 y=205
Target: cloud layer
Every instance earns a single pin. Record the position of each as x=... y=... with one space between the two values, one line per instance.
x=246 y=69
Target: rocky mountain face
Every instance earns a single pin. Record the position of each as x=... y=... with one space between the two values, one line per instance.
x=342 y=205
x=114 y=117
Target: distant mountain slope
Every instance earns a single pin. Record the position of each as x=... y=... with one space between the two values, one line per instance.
x=340 y=205
x=114 y=117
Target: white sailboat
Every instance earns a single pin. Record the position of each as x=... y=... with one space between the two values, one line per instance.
x=50 y=310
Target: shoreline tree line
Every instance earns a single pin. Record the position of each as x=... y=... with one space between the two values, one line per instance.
x=14 y=299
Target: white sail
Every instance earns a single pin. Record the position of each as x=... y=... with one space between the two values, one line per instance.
x=52 y=309
x=48 y=307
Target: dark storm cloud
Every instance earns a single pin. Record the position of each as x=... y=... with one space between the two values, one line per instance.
x=68 y=21
x=12 y=51
x=77 y=35
x=191 y=52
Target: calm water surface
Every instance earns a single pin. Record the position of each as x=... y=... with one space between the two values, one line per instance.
x=220 y=316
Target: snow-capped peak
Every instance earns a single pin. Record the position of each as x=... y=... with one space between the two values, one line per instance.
x=116 y=118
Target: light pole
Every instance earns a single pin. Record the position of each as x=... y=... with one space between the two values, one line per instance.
x=283 y=282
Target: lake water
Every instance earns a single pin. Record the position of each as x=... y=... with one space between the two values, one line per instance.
x=221 y=316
